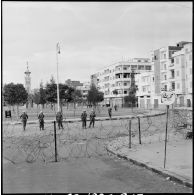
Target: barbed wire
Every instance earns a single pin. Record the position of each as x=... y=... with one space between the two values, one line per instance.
x=74 y=142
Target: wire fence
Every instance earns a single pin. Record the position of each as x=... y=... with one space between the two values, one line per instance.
x=73 y=141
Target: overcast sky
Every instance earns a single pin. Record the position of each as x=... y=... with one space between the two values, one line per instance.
x=92 y=35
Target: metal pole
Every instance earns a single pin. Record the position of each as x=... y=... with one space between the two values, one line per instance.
x=58 y=96
x=139 y=131
x=55 y=141
x=166 y=136
x=129 y=133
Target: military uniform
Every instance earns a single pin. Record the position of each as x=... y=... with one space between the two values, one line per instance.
x=59 y=119
x=41 y=121
x=84 y=119
x=24 y=118
x=92 y=118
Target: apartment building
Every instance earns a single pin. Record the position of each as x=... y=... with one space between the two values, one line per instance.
x=145 y=84
x=84 y=89
x=117 y=77
x=164 y=70
x=182 y=66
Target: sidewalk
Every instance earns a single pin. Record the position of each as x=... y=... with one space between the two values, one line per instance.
x=151 y=156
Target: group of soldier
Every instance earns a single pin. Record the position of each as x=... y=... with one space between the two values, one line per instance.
x=91 y=117
x=59 y=119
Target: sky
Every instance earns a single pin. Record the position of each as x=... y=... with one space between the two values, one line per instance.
x=92 y=35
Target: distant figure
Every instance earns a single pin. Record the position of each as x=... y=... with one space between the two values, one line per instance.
x=115 y=107
x=41 y=120
x=24 y=118
x=59 y=119
x=84 y=119
x=92 y=118
x=110 y=112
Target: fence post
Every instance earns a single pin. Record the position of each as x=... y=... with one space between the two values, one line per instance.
x=55 y=141
x=130 y=133
x=139 y=131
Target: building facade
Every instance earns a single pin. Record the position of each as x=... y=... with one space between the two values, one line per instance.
x=182 y=67
x=165 y=68
x=115 y=80
x=145 y=84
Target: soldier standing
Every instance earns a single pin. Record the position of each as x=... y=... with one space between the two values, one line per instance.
x=24 y=118
x=110 y=112
x=41 y=120
x=59 y=119
x=92 y=118
x=84 y=119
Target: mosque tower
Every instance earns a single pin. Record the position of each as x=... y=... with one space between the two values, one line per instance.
x=27 y=80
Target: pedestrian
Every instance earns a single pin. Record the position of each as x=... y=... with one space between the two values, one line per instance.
x=41 y=120
x=110 y=112
x=24 y=118
x=92 y=118
x=84 y=119
x=59 y=119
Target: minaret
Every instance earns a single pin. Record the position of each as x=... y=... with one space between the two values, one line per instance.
x=27 y=80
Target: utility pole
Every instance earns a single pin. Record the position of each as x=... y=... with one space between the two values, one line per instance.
x=58 y=93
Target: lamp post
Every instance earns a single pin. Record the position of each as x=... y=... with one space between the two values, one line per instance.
x=58 y=95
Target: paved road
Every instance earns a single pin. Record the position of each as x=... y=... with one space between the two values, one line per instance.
x=96 y=174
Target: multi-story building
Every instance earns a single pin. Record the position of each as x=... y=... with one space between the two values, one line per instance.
x=73 y=84
x=145 y=84
x=164 y=70
x=84 y=89
x=182 y=66
x=117 y=77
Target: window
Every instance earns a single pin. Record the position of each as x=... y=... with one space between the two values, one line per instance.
x=125 y=84
x=178 y=73
x=178 y=85
x=143 y=89
x=165 y=87
x=125 y=92
x=165 y=67
x=148 y=67
x=164 y=56
x=155 y=57
x=165 y=77
x=173 y=85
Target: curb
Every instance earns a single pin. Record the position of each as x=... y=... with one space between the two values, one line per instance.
x=158 y=170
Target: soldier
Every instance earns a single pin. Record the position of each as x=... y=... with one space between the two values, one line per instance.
x=59 y=119
x=24 y=118
x=92 y=118
x=84 y=119
x=110 y=112
x=41 y=120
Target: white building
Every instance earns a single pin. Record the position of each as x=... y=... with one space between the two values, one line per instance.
x=84 y=89
x=117 y=77
x=145 y=84
x=182 y=67
x=164 y=70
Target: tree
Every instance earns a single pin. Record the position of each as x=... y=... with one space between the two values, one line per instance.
x=51 y=91
x=15 y=94
x=36 y=98
x=131 y=98
x=94 y=96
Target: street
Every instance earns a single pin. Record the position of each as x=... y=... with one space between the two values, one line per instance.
x=102 y=173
